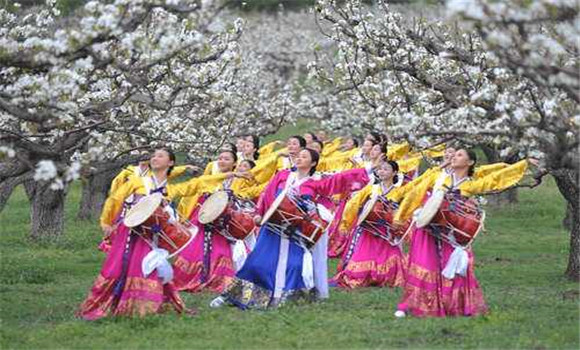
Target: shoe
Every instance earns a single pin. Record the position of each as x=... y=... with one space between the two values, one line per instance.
x=217 y=302
x=400 y=314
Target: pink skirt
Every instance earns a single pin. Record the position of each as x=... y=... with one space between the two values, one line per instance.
x=373 y=262
x=120 y=290
x=427 y=293
x=337 y=239
x=196 y=270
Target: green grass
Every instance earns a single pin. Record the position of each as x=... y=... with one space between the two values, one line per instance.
x=519 y=262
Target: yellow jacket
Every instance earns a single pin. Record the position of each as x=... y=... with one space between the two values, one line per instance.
x=136 y=185
x=493 y=181
x=242 y=187
x=267 y=148
x=356 y=203
x=331 y=147
x=398 y=151
x=134 y=170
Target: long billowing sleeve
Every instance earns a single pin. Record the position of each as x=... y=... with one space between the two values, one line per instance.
x=252 y=192
x=267 y=148
x=193 y=186
x=409 y=164
x=353 y=207
x=264 y=171
x=331 y=147
x=414 y=198
x=397 y=195
x=177 y=172
x=208 y=168
x=496 y=181
x=486 y=169
x=121 y=178
x=343 y=182
x=114 y=202
x=269 y=193
x=333 y=163
x=398 y=151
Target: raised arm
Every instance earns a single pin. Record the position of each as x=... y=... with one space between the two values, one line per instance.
x=343 y=182
x=114 y=202
x=497 y=180
x=353 y=206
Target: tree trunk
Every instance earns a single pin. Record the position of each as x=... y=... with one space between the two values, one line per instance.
x=8 y=186
x=95 y=191
x=567 y=221
x=567 y=181
x=46 y=209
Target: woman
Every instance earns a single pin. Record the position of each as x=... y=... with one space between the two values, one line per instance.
x=294 y=145
x=121 y=287
x=432 y=288
x=212 y=167
x=378 y=153
x=349 y=144
x=250 y=148
x=282 y=265
x=371 y=260
x=211 y=260
x=309 y=137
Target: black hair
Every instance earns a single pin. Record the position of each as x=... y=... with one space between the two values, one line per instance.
x=320 y=143
x=315 y=158
x=354 y=141
x=249 y=161
x=394 y=165
x=171 y=157
x=256 y=143
x=472 y=156
x=378 y=137
x=229 y=146
x=384 y=148
x=300 y=139
x=314 y=137
x=233 y=155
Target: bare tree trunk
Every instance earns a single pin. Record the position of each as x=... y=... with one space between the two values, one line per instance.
x=95 y=191
x=567 y=181
x=567 y=221
x=7 y=187
x=46 y=209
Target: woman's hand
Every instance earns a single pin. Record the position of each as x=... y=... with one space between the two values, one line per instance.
x=107 y=230
x=244 y=175
x=193 y=168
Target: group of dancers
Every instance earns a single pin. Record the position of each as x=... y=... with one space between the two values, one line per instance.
x=358 y=201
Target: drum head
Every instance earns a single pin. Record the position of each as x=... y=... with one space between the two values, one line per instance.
x=367 y=208
x=273 y=207
x=213 y=207
x=142 y=210
x=430 y=208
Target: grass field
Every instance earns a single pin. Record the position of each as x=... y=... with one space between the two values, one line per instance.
x=519 y=262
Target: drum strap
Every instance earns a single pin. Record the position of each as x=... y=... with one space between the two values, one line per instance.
x=358 y=232
x=207 y=248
